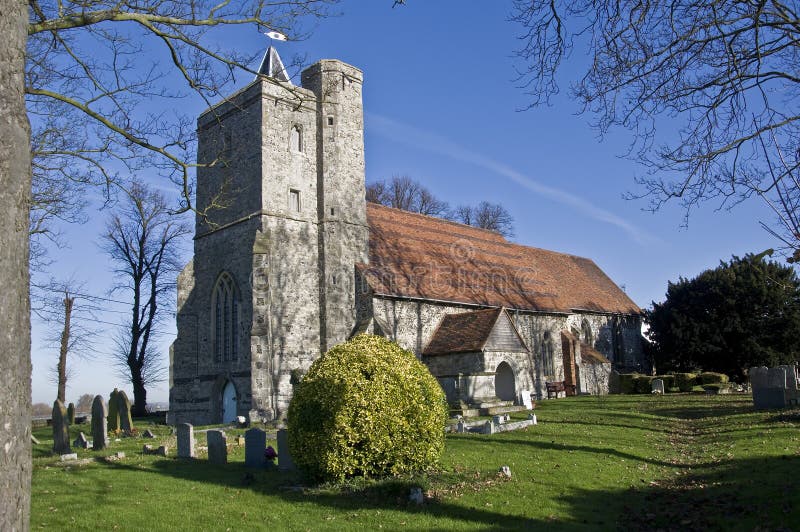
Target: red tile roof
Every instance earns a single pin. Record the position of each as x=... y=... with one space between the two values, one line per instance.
x=423 y=257
x=465 y=332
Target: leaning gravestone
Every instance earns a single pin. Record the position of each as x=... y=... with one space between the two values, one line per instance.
x=657 y=386
x=285 y=461
x=81 y=441
x=255 y=445
x=113 y=412
x=71 y=413
x=185 y=440
x=124 y=409
x=60 y=429
x=99 y=424
x=217 y=447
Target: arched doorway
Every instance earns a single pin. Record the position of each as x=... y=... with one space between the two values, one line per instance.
x=228 y=403
x=504 y=387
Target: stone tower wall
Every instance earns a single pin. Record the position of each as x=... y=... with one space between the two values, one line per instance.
x=341 y=207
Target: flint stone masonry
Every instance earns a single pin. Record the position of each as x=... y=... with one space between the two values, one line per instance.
x=255 y=445
x=217 y=447
x=60 y=429
x=288 y=251
x=99 y=424
x=185 y=435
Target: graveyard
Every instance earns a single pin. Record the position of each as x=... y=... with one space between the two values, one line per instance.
x=675 y=461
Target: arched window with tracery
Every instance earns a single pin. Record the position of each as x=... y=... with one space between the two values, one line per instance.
x=225 y=319
x=548 y=360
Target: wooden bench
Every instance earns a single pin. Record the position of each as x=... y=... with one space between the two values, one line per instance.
x=554 y=388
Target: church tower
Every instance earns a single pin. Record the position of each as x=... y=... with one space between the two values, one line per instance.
x=282 y=224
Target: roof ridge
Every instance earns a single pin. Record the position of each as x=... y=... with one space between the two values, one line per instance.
x=443 y=220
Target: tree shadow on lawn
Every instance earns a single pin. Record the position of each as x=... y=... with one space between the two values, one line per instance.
x=735 y=494
x=554 y=445
x=601 y=423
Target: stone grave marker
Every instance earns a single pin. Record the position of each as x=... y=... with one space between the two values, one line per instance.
x=255 y=445
x=148 y=434
x=791 y=377
x=113 y=411
x=99 y=424
x=657 y=386
x=217 y=447
x=185 y=440
x=81 y=441
x=525 y=399
x=769 y=387
x=60 y=429
x=285 y=461
x=124 y=409
x=71 y=414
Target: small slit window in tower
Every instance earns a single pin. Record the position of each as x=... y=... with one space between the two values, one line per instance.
x=296 y=139
x=333 y=211
x=330 y=120
x=294 y=200
x=334 y=280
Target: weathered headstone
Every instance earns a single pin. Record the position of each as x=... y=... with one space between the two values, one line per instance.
x=71 y=414
x=255 y=444
x=162 y=450
x=285 y=461
x=68 y=457
x=148 y=434
x=113 y=411
x=769 y=387
x=416 y=496
x=791 y=377
x=99 y=424
x=60 y=429
x=185 y=440
x=124 y=409
x=81 y=441
x=657 y=386
x=525 y=399
x=217 y=447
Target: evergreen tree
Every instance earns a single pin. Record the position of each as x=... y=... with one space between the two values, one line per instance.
x=744 y=313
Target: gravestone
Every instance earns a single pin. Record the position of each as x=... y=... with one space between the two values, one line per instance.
x=217 y=447
x=769 y=387
x=791 y=377
x=162 y=450
x=81 y=441
x=255 y=445
x=285 y=461
x=60 y=429
x=657 y=386
x=124 y=409
x=71 y=414
x=148 y=434
x=525 y=399
x=99 y=424
x=185 y=440
x=113 y=411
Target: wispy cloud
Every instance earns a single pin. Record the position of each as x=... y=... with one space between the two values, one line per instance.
x=431 y=142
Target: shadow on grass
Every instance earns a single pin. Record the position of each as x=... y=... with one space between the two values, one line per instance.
x=736 y=494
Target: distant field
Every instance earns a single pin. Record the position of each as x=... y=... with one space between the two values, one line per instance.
x=677 y=462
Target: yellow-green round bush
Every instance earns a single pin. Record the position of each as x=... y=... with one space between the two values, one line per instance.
x=366 y=407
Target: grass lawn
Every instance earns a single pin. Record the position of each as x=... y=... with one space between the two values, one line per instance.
x=677 y=462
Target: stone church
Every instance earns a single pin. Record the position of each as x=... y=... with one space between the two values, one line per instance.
x=297 y=261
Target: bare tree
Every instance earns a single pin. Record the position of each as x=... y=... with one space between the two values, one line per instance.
x=402 y=192
x=143 y=240
x=491 y=216
x=71 y=318
x=15 y=343
x=88 y=60
x=84 y=403
x=727 y=72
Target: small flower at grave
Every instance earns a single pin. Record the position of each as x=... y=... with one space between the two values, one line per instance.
x=270 y=454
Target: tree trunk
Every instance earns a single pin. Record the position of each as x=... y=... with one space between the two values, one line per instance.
x=139 y=392
x=62 y=355
x=15 y=334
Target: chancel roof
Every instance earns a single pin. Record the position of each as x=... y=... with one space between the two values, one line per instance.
x=422 y=257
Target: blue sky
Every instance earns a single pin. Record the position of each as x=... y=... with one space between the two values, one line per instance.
x=442 y=107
